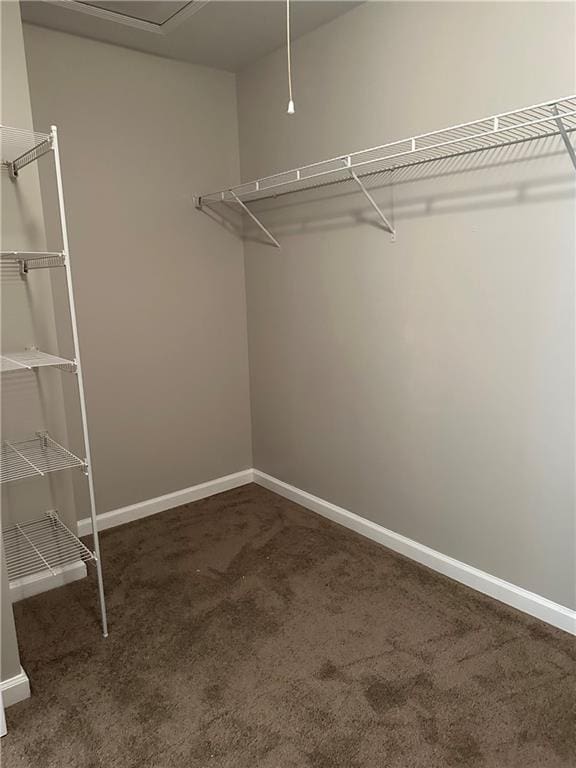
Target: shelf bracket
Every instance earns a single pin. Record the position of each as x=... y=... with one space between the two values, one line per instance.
x=389 y=228
x=256 y=221
x=565 y=137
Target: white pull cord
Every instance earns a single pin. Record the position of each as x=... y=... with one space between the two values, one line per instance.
x=290 y=109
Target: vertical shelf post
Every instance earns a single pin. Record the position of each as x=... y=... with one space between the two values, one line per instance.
x=72 y=307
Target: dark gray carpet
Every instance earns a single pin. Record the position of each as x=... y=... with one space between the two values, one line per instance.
x=248 y=632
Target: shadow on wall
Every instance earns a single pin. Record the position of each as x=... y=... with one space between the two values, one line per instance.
x=523 y=174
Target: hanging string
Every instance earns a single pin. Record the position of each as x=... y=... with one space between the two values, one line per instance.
x=290 y=109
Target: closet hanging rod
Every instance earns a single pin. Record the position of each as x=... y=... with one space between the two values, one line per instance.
x=539 y=121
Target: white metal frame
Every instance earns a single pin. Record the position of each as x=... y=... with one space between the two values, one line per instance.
x=539 y=121
x=27 y=260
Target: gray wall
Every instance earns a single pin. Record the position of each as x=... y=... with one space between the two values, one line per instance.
x=428 y=384
x=160 y=289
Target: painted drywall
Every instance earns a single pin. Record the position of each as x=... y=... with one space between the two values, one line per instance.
x=160 y=290
x=426 y=384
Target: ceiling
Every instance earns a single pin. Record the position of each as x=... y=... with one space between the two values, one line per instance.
x=144 y=10
x=226 y=34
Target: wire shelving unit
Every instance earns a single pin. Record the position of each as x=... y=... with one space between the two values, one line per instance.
x=45 y=544
x=537 y=122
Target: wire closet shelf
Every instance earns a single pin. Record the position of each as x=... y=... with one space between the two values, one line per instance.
x=27 y=260
x=31 y=359
x=34 y=458
x=42 y=545
x=537 y=122
x=19 y=147
x=540 y=121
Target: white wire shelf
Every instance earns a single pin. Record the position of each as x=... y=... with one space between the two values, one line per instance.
x=35 y=458
x=33 y=358
x=540 y=121
x=19 y=147
x=27 y=260
x=42 y=545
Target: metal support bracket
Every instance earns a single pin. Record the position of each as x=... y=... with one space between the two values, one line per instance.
x=565 y=137
x=256 y=221
x=389 y=228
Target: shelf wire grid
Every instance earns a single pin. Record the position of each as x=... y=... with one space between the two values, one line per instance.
x=46 y=544
x=34 y=458
x=28 y=260
x=534 y=123
x=30 y=359
x=19 y=147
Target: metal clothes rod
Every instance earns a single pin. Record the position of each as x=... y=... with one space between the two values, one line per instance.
x=539 y=121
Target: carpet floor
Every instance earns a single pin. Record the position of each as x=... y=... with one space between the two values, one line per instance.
x=247 y=632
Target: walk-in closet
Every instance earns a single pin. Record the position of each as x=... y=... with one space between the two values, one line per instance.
x=287 y=384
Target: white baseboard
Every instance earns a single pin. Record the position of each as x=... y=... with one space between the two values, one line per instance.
x=517 y=597
x=168 y=501
x=45 y=580
x=15 y=689
x=528 y=602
